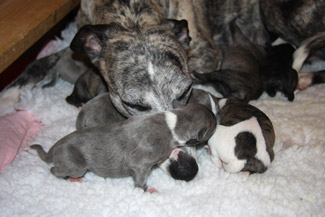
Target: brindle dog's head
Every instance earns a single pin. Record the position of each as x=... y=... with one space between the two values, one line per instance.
x=145 y=69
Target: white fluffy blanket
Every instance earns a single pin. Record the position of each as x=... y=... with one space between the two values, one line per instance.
x=294 y=185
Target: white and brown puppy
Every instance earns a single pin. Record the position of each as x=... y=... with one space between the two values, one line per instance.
x=180 y=165
x=244 y=138
x=131 y=147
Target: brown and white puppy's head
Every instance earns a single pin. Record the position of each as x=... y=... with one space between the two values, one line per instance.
x=243 y=140
x=145 y=69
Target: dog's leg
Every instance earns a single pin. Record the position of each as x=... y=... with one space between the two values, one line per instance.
x=140 y=176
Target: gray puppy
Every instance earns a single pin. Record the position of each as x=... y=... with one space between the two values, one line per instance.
x=99 y=111
x=129 y=148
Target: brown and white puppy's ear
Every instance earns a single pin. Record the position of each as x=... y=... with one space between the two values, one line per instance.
x=91 y=39
x=180 y=28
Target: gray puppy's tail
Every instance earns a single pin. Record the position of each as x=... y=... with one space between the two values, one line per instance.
x=36 y=71
x=42 y=154
x=306 y=48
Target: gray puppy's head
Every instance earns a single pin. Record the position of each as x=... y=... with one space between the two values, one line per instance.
x=145 y=69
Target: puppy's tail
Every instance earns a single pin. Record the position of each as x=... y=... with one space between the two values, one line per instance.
x=42 y=154
x=307 y=47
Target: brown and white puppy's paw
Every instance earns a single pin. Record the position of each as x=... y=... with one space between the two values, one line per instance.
x=307 y=79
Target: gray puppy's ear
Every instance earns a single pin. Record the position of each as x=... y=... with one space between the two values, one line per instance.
x=180 y=28
x=91 y=39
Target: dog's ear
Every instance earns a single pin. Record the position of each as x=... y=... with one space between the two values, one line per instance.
x=180 y=28
x=91 y=39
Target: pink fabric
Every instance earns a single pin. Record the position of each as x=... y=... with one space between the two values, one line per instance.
x=16 y=130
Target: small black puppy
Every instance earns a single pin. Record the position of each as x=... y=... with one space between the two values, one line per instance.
x=277 y=73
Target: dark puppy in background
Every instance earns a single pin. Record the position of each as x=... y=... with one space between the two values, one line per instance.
x=277 y=73
x=88 y=85
x=100 y=111
x=239 y=76
x=131 y=147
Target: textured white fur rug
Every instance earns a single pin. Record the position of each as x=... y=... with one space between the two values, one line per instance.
x=294 y=185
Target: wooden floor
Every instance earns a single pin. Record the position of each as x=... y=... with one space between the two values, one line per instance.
x=24 y=22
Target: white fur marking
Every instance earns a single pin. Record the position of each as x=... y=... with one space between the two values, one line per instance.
x=150 y=97
x=151 y=71
x=171 y=120
x=213 y=105
x=208 y=89
x=299 y=57
x=222 y=103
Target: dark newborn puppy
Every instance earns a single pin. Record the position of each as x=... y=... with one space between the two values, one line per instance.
x=244 y=138
x=87 y=86
x=131 y=147
x=239 y=76
x=101 y=111
x=277 y=73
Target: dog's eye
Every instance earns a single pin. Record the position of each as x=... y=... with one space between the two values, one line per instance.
x=185 y=95
x=192 y=142
x=137 y=106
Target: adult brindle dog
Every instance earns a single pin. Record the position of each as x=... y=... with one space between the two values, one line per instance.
x=143 y=48
x=145 y=56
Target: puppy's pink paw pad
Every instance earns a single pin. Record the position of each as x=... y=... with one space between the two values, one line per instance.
x=152 y=190
x=79 y=179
